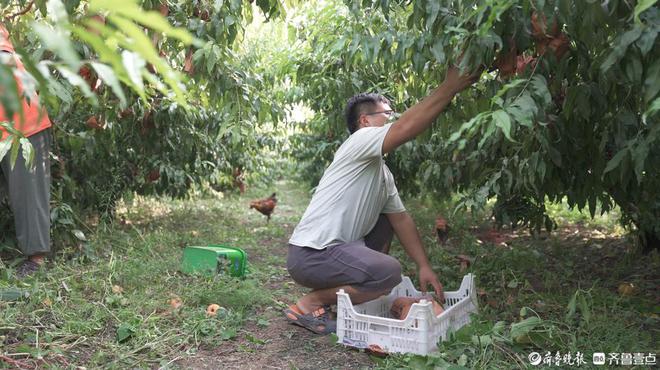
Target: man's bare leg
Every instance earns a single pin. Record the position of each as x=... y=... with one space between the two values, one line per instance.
x=328 y=296
x=39 y=259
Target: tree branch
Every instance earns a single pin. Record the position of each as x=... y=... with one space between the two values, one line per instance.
x=22 y=12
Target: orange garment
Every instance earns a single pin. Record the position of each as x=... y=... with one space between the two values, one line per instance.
x=35 y=118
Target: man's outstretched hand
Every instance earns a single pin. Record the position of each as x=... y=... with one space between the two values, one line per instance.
x=426 y=277
x=456 y=82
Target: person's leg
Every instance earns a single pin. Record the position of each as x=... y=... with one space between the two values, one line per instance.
x=363 y=273
x=324 y=297
x=29 y=197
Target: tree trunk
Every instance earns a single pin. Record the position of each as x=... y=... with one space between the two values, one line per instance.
x=649 y=241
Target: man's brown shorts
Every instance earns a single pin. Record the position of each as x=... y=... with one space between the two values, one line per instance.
x=360 y=264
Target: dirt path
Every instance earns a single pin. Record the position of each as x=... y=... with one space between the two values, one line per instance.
x=277 y=345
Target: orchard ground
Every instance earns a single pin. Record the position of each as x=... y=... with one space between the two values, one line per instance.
x=119 y=300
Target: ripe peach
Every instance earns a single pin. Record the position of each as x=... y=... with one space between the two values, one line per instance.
x=212 y=309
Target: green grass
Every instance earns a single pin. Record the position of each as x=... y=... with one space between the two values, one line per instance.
x=564 y=285
x=73 y=310
x=72 y=315
x=564 y=215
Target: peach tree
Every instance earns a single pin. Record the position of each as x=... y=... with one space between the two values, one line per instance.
x=567 y=106
x=147 y=97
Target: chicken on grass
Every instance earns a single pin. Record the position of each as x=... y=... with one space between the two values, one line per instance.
x=265 y=206
x=442 y=229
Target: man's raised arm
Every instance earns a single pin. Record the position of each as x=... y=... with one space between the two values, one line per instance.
x=420 y=116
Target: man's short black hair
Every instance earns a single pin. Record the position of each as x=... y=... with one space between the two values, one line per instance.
x=359 y=104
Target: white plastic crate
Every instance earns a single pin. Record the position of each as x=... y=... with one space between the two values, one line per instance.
x=370 y=323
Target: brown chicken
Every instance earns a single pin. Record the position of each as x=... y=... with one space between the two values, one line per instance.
x=265 y=206
x=238 y=176
x=442 y=229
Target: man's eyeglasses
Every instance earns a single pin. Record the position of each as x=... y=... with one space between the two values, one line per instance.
x=385 y=112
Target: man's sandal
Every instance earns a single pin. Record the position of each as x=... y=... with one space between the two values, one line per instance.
x=317 y=321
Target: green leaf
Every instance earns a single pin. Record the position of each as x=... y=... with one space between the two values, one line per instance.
x=140 y=43
x=523 y=110
x=633 y=69
x=616 y=160
x=503 y=121
x=619 y=48
x=652 y=81
x=116 y=5
x=75 y=80
x=482 y=340
x=134 y=65
x=124 y=332
x=11 y=129
x=584 y=308
x=227 y=334
x=432 y=9
x=56 y=11
x=570 y=309
x=155 y=21
x=254 y=339
x=592 y=204
x=438 y=52
x=13 y=156
x=71 y=5
x=57 y=89
x=487 y=134
x=34 y=72
x=462 y=361
x=624 y=168
x=540 y=89
x=519 y=329
x=41 y=5
x=509 y=86
x=498 y=328
x=641 y=6
x=108 y=76
x=55 y=40
x=473 y=122
x=584 y=106
x=28 y=152
x=653 y=109
x=105 y=53
x=79 y=234
x=5 y=145
x=27 y=82
x=647 y=40
x=292 y=34
x=10 y=97
x=555 y=156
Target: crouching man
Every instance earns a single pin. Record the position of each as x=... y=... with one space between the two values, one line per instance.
x=343 y=238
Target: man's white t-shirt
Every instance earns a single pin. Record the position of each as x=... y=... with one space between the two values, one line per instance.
x=354 y=190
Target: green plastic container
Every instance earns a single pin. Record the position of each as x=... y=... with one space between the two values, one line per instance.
x=214 y=259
